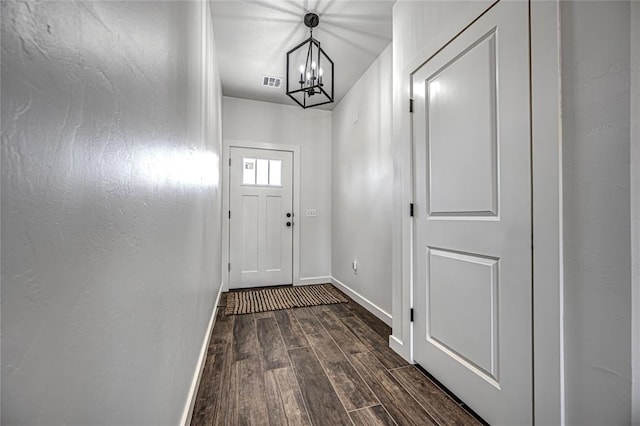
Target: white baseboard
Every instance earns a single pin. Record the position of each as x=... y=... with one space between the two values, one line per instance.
x=398 y=347
x=366 y=303
x=187 y=414
x=313 y=280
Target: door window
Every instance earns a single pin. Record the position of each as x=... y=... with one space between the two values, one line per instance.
x=261 y=172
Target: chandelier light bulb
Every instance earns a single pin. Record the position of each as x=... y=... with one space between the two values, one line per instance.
x=313 y=65
x=301 y=69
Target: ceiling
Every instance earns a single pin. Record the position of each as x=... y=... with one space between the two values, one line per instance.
x=253 y=37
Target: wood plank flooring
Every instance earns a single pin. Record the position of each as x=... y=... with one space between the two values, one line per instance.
x=320 y=365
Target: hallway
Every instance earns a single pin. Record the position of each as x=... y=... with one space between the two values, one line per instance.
x=323 y=365
x=119 y=121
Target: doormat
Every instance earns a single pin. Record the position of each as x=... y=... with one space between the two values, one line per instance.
x=273 y=299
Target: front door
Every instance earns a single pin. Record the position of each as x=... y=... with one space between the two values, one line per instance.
x=261 y=217
x=472 y=223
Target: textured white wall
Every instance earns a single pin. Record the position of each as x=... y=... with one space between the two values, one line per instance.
x=264 y=122
x=635 y=207
x=595 y=39
x=362 y=173
x=110 y=209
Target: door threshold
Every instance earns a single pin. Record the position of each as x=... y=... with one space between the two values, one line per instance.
x=231 y=290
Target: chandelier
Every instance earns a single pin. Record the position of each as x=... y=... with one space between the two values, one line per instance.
x=309 y=70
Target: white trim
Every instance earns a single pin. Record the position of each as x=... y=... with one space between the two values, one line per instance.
x=397 y=346
x=227 y=144
x=364 y=302
x=187 y=413
x=548 y=303
x=312 y=280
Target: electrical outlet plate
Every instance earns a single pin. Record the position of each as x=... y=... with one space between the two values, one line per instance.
x=311 y=213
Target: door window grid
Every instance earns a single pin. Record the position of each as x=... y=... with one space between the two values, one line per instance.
x=261 y=172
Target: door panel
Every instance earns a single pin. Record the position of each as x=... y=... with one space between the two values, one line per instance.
x=472 y=220
x=249 y=226
x=274 y=219
x=261 y=242
x=462 y=308
x=462 y=133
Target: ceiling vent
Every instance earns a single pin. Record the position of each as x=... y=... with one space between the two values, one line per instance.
x=269 y=81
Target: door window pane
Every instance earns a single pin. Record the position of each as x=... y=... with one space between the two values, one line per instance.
x=249 y=171
x=262 y=174
x=275 y=169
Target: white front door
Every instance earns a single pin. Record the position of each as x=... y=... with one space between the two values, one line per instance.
x=261 y=217
x=472 y=219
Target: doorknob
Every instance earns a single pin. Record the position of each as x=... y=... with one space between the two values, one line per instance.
x=289 y=223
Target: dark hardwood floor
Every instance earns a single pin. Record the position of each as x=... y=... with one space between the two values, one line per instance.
x=323 y=365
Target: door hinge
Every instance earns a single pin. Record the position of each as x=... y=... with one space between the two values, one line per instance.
x=229 y=161
x=229 y=214
x=229 y=266
x=411 y=315
x=410 y=105
x=411 y=209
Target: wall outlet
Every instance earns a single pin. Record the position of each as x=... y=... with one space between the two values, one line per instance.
x=311 y=213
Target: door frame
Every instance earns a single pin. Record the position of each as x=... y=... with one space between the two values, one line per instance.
x=546 y=157
x=226 y=194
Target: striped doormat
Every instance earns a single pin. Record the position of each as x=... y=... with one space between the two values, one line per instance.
x=273 y=299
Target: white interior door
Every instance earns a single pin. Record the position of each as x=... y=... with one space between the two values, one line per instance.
x=261 y=217
x=472 y=219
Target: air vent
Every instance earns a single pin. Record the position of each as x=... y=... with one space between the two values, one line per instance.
x=269 y=81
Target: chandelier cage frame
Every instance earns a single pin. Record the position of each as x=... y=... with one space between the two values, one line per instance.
x=310 y=89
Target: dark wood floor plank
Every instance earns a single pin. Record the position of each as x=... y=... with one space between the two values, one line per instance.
x=290 y=329
x=222 y=329
x=435 y=401
x=225 y=411
x=223 y=299
x=346 y=340
x=284 y=400
x=208 y=394
x=348 y=384
x=250 y=393
x=371 y=416
x=319 y=308
x=376 y=344
x=373 y=322
x=308 y=321
x=340 y=309
x=321 y=400
x=399 y=404
x=245 y=341
x=272 y=350
x=259 y=315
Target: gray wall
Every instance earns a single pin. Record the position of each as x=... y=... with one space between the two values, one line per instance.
x=362 y=173
x=110 y=209
x=595 y=38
